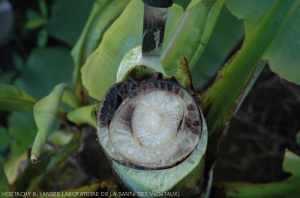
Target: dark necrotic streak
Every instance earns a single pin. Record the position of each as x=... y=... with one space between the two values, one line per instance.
x=170 y=87
x=176 y=90
x=191 y=107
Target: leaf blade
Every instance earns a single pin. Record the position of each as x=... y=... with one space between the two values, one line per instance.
x=102 y=14
x=15 y=99
x=62 y=24
x=35 y=23
x=83 y=115
x=66 y=151
x=43 y=8
x=220 y=101
x=12 y=167
x=282 y=53
x=22 y=129
x=115 y=44
x=288 y=188
x=45 y=68
x=100 y=69
x=45 y=112
x=218 y=47
x=298 y=138
x=291 y=163
x=4 y=186
x=192 y=33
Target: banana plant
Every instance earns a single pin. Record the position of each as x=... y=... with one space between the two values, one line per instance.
x=109 y=43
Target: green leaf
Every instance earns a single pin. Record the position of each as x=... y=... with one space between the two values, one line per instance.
x=68 y=18
x=102 y=15
x=55 y=161
x=283 y=52
x=35 y=23
x=32 y=15
x=30 y=173
x=43 y=8
x=182 y=3
x=286 y=189
x=4 y=140
x=46 y=68
x=100 y=70
x=7 y=77
x=22 y=130
x=12 y=167
x=4 y=186
x=83 y=115
x=42 y=38
x=291 y=163
x=66 y=151
x=192 y=33
x=221 y=100
x=18 y=62
x=45 y=112
x=14 y=99
x=260 y=66
x=60 y=138
x=97 y=79
x=298 y=138
x=227 y=34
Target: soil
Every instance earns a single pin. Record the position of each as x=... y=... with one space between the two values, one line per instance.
x=263 y=128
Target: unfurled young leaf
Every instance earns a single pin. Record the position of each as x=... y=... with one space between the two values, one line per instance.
x=15 y=99
x=45 y=112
